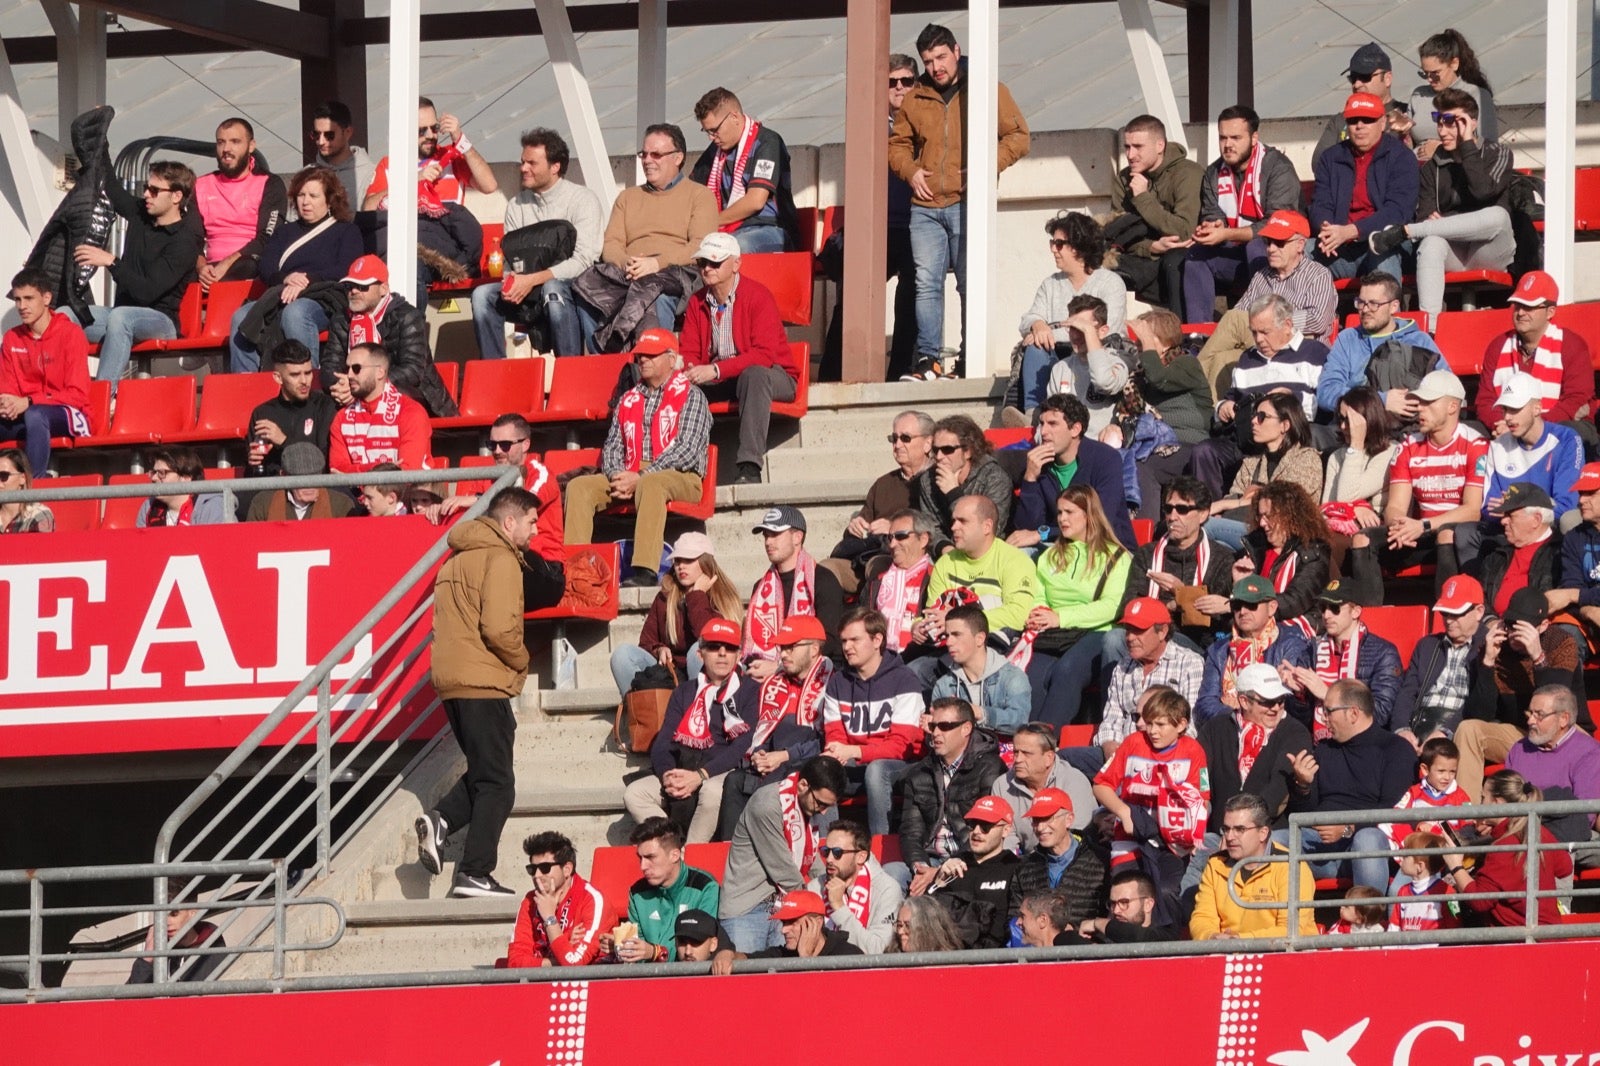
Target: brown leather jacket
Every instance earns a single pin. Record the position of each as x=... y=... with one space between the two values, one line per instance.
x=928 y=135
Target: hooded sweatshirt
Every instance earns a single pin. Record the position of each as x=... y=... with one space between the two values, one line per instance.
x=1002 y=691
x=882 y=713
x=1346 y=365
x=1171 y=204
x=478 y=650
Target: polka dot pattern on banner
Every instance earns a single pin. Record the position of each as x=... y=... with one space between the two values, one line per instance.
x=569 y=1017
x=1240 y=1013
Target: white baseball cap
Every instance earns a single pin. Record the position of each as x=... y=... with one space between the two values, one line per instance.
x=1262 y=681
x=1518 y=392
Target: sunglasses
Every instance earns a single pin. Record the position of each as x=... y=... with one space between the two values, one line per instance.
x=1435 y=76
x=947 y=449
x=1359 y=121
x=718 y=646
x=1243 y=605
x=542 y=867
x=507 y=445
x=975 y=826
x=707 y=264
x=157 y=190
x=1448 y=118
x=423 y=131
x=1180 y=508
x=356 y=286
x=656 y=155
x=900 y=438
x=905 y=81
x=320 y=135
x=1277 y=242
x=946 y=727
x=7 y=475
x=834 y=853
x=902 y=534
x=1056 y=243
x=1261 y=416
x=354 y=368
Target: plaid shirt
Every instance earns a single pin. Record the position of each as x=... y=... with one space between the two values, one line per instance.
x=721 y=344
x=1450 y=688
x=688 y=449
x=1178 y=667
x=944 y=844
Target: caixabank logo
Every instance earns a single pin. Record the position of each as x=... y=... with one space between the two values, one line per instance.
x=1341 y=1050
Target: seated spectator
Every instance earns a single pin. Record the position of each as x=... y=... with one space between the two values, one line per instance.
x=1289 y=547
x=792 y=585
x=1434 y=484
x=746 y=167
x=332 y=130
x=561 y=921
x=301 y=264
x=17 y=476
x=1170 y=378
x=972 y=672
x=1062 y=458
x=1000 y=576
x=974 y=884
x=668 y=887
x=649 y=243
x=1186 y=561
x=540 y=294
x=870 y=711
x=1036 y=766
x=1506 y=871
x=1356 y=482
x=1078 y=245
x=1576 y=599
x=1157 y=198
x=1448 y=62
x=1357 y=918
x=1438 y=762
x=961 y=765
x=298 y=414
x=1370 y=71
x=774 y=847
x=1287 y=457
x=923 y=925
x=1462 y=221
x=44 y=373
x=648 y=468
x=803 y=934
x=1347 y=650
x=788 y=727
x=1529 y=556
x=1283 y=360
x=169 y=465
x=1288 y=272
x=1044 y=920
x=383 y=501
x=1132 y=903
x=1255 y=636
x=380 y=424
x=697 y=937
x=239 y=208
x=1076 y=865
x=693 y=593
x=1247 y=839
x=1423 y=881
x=1077 y=594
x=911 y=440
x=1095 y=365
x=369 y=313
x=300 y=459
x=899 y=591
x=701 y=738
x=1388 y=354
x=1557 y=359
x=1562 y=760
x=1359 y=767
x=963 y=465
x=863 y=900
x=1247 y=185
x=1444 y=666
x=185 y=931
x=1365 y=183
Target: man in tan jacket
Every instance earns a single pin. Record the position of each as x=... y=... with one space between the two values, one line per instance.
x=479 y=665
x=928 y=151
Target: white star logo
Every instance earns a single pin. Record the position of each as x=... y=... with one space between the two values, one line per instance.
x=1320 y=1052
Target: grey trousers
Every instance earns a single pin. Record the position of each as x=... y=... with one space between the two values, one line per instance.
x=755 y=390
x=1472 y=240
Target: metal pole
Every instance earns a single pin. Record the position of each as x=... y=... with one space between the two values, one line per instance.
x=1560 y=134
x=866 y=242
x=1530 y=874
x=280 y=894
x=35 y=932
x=983 y=104
x=1295 y=844
x=324 y=776
x=405 y=60
x=652 y=88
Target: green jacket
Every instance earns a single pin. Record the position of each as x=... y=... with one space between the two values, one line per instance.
x=655 y=910
x=1172 y=202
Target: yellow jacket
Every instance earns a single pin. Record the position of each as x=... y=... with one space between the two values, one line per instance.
x=1215 y=910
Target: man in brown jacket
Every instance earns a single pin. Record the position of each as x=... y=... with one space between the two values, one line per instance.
x=479 y=665
x=928 y=151
x=1158 y=195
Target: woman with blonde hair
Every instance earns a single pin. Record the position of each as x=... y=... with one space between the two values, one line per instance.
x=696 y=591
x=1080 y=583
x=1507 y=871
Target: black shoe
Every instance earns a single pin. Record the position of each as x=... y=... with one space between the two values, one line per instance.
x=641 y=579
x=469 y=885
x=749 y=474
x=431 y=833
x=1386 y=240
x=925 y=370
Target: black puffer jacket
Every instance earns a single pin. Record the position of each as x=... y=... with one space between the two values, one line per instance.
x=1312 y=570
x=927 y=800
x=1086 y=881
x=405 y=337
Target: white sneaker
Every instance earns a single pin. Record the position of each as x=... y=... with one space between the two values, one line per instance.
x=431 y=833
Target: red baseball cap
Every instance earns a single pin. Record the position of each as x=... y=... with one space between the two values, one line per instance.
x=991 y=809
x=656 y=341
x=1283 y=225
x=1145 y=612
x=798 y=904
x=365 y=271
x=721 y=631
x=799 y=627
x=1459 y=595
x=1588 y=479
x=1535 y=288
x=1363 y=105
x=1048 y=802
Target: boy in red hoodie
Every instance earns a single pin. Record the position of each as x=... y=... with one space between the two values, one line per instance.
x=44 y=372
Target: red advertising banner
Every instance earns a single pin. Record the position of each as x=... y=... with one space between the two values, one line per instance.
x=186 y=637
x=1353 y=1007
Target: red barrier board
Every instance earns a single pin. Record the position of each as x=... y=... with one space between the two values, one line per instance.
x=1355 y=1007
x=186 y=637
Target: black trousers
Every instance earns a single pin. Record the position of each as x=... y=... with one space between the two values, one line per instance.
x=543 y=583
x=482 y=799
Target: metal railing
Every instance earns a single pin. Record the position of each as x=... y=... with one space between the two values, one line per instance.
x=277 y=813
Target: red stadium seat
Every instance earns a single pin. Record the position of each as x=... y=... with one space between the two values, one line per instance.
x=1144 y=530
x=149 y=410
x=581 y=387
x=712 y=858
x=830 y=221
x=1584 y=320
x=123 y=513
x=221 y=301
x=1076 y=736
x=1464 y=335
x=613 y=870
x=1586 y=199
x=450 y=374
x=1352 y=320
x=220 y=473
x=1005 y=436
x=789 y=276
x=73 y=516
x=887 y=848
x=1205 y=329
x=474 y=488
x=808 y=224
x=493 y=233
x=1401 y=626
x=494 y=387
x=225 y=406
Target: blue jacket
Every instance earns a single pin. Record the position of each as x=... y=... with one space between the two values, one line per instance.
x=1580 y=563
x=1379 y=669
x=1291 y=647
x=1004 y=691
x=1393 y=180
x=1346 y=366
x=1100 y=468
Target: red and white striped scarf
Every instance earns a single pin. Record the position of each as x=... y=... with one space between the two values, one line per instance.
x=1202 y=561
x=900 y=598
x=694 y=731
x=664 y=427
x=364 y=324
x=1281 y=578
x=767 y=609
x=746 y=145
x=798 y=831
x=859 y=898
x=1252 y=738
x=1241 y=653
x=1544 y=365
x=1241 y=201
x=1335 y=663
x=782 y=695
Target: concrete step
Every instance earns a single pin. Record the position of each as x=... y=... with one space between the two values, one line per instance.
x=578 y=701
x=451 y=912
x=433 y=943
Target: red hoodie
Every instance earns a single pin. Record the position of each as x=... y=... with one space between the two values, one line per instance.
x=583 y=906
x=52 y=369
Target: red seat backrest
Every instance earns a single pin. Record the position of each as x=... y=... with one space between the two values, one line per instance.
x=1005 y=436
x=1464 y=335
x=1584 y=320
x=613 y=871
x=580 y=389
x=493 y=387
x=99 y=412
x=222 y=300
x=474 y=488
x=123 y=513
x=1144 y=530
x=227 y=400
x=74 y=515
x=1401 y=626
x=808 y=223
x=1586 y=198
x=712 y=858
x=789 y=276
x=148 y=408
x=450 y=374
x=560 y=460
x=191 y=317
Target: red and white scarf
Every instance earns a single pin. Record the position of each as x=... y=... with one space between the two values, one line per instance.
x=1281 y=578
x=1335 y=664
x=1241 y=653
x=798 y=831
x=767 y=609
x=694 y=731
x=664 y=427
x=746 y=145
x=1544 y=365
x=782 y=696
x=364 y=324
x=859 y=898
x=1252 y=738
x=900 y=600
x=1202 y=560
x=430 y=197
x=1235 y=201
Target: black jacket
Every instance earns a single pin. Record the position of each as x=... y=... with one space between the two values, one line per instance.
x=927 y=801
x=157 y=262
x=1372 y=769
x=978 y=899
x=1312 y=570
x=1271 y=777
x=405 y=337
x=1217 y=579
x=725 y=752
x=309 y=421
x=1472 y=177
x=1544 y=570
x=1427 y=663
x=835 y=942
x=1086 y=881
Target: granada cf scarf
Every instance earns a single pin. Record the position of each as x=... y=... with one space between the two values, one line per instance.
x=767 y=609
x=663 y=429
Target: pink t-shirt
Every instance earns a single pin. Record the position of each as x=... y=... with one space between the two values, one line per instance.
x=230 y=208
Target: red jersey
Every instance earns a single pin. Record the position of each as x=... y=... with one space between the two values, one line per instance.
x=1420 y=795
x=394 y=428
x=1438 y=476
x=547 y=543
x=1132 y=775
x=451 y=186
x=1423 y=910
x=50 y=369
x=583 y=906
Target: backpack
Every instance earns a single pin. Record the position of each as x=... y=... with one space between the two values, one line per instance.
x=1398 y=365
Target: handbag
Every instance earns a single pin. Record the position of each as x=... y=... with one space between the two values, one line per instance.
x=644 y=707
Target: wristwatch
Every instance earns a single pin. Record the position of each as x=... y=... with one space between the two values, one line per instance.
x=1427 y=526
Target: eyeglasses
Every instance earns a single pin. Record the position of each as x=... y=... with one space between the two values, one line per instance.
x=834 y=853
x=1128 y=901
x=1270 y=705
x=157 y=190
x=1180 y=508
x=901 y=438
x=507 y=445
x=712 y=130
x=1448 y=118
x=423 y=131
x=162 y=474
x=354 y=368
x=708 y=264
x=902 y=534
x=1372 y=305
x=1341 y=707
x=1056 y=243
x=945 y=727
x=542 y=867
x=947 y=449
x=1235 y=830
x=905 y=81
x=656 y=155
x=1539 y=716
x=718 y=646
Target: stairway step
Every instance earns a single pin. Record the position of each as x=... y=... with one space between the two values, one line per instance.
x=532 y=802
x=578 y=700
x=432 y=912
x=798 y=493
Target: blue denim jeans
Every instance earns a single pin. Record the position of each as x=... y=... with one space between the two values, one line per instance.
x=877 y=778
x=39 y=422
x=1325 y=859
x=560 y=311
x=1035 y=383
x=753 y=930
x=938 y=245
x=300 y=320
x=761 y=239
x=1227 y=531
x=1355 y=258
x=628 y=659
x=117 y=330
x=1059 y=681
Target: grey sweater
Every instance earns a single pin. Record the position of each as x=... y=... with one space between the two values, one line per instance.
x=572 y=203
x=760 y=864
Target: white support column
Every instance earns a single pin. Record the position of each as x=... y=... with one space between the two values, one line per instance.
x=1155 y=81
x=576 y=100
x=405 y=79
x=25 y=189
x=80 y=61
x=1224 y=62
x=1560 y=131
x=652 y=87
x=983 y=80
